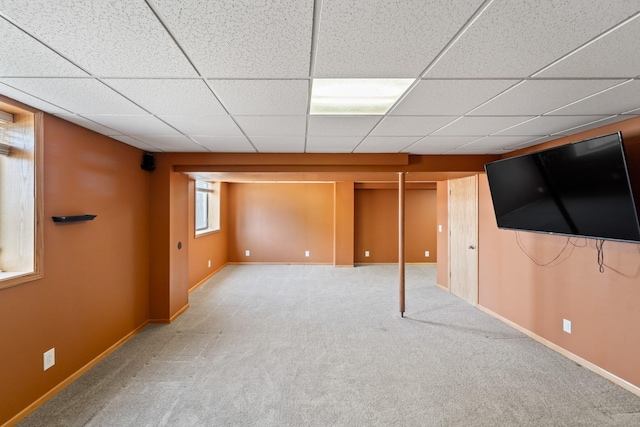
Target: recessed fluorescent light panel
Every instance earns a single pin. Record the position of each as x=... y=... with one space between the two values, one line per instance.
x=356 y=96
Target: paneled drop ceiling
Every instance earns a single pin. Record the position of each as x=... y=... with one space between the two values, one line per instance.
x=235 y=75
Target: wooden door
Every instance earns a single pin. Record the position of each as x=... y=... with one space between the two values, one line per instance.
x=463 y=239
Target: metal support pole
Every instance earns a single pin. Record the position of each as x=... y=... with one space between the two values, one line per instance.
x=401 y=238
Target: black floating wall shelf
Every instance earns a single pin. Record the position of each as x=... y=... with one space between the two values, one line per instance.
x=73 y=218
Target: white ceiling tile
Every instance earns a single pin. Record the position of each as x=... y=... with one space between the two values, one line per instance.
x=605 y=57
x=385 y=144
x=231 y=38
x=410 y=125
x=272 y=125
x=593 y=124
x=332 y=144
x=30 y=100
x=617 y=100
x=134 y=142
x=341 y=125
x=537 y=97
x=633 y=112
x=439 y=144
x=134 y=125
x=480 y=126
x=546 y=125
x=86 y=123
x=203 y=125
x=169 y=96
x=449 y=97
x=385 y=39
x=328 y=150
x=227 y=144
x=516 y=38
x=530 y=143
x=173 y=143
x=80 y=96
x=263 y=97
x=278 y=144
x=490 y=144
x=119 y=38
x=256 y=58
x=475 y=151
x=23 y=56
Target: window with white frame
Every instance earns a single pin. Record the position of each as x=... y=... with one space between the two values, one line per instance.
x=207 y=207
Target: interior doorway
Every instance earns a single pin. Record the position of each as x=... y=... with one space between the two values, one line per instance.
x=463 y=238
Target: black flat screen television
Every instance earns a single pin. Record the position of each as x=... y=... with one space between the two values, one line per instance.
x=581 y=189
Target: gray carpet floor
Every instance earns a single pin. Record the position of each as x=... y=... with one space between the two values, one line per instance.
x=300 y=345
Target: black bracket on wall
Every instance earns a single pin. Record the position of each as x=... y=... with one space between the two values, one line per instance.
x=73 y=218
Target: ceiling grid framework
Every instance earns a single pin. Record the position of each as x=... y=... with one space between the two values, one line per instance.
x=236 y=75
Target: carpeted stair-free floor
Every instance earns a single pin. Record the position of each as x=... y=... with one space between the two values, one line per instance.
x=295 y=345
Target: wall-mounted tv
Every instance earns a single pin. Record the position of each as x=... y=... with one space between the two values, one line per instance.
x=581 y=189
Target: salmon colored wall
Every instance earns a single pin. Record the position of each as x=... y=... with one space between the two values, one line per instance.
x=603 y=307
x=344 y=220
x=420 y=226
x=442 y=208
x=159 y=228
x=279 y=222
x=94 y=290
x=376 y=226
x=178 y=245
x=208 y=247
x=169 y=227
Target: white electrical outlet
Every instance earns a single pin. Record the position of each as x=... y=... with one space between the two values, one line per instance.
x=247 y=252
x=209 y=264
x=566 y=325
x=426 y=254
x=49 y=358
x=306 y=253
x=366 y=253
x=439 y=228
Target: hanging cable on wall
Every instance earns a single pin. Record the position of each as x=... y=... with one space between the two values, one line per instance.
x=535 y=261
x=599 y=249
x=576 y=245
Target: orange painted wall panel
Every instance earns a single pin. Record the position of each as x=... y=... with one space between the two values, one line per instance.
x=279 y=222
x=376 y=226
x=442 y=208
x=159 y=233
x=178 y=244
x=95 y=286
x=420 y=226
x=343 y=232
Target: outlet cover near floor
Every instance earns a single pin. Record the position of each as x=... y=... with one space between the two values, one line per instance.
x=566 y=325
x=49 y=358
